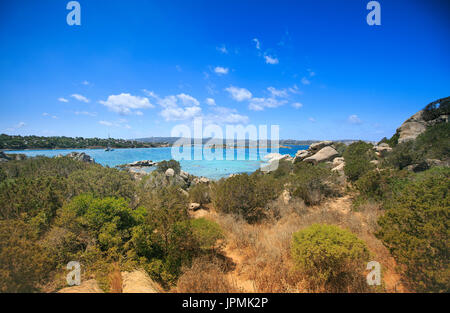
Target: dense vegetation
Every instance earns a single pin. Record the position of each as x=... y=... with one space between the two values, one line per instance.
x=357 y=159
x=333 y=258
x=415 y=228
x=38 y=142
x=55 y=210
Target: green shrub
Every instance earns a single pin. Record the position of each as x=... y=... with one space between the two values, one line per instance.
x=312 y=183
x=434 y=143
x=109 y=220
x=378 y=185
x=332 y=258
x=24 y=264
x=28 y=197
x=206 y=232
x=200 y=193
x=436 y=109
x=340 y=147
x=163 y=166
x=245 y=195
x=357 y=159
x=415 y=228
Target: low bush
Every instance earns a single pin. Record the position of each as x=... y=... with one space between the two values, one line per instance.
x=415 y=229
x=333 y=259
x=245 y=195
x=206 y=232
x=163 y=166
x=24 y=264
x=200 y=193
x=357 y=159
x=312 y=183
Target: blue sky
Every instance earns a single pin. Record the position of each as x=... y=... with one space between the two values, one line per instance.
x=137 y=68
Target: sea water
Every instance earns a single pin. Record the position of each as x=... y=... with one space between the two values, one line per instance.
x=245 y=160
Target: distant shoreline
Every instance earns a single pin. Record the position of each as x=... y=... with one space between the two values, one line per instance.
x=100 y=148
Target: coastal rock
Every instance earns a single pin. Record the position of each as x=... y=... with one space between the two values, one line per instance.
x=417 y=123
x=184 y=192
x=138 y=282
x=4 y=157
x=276 y=157
x=382 y=149
x=9 y=157
x=324 y=154
x=338 y=161
x=142 y=163
x=200 y=180
x=83 y=157
x=301 y=155
x=339 y=168
x=184 y=175
x=194 y=206
x=170 y=172
x=319 y=145
x=286 y=196
x=88 y=286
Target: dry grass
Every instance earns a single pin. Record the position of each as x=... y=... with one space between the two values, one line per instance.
x=207 y=275
x=115 y=279
x=262 y=251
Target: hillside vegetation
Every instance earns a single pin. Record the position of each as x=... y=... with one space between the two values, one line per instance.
x=308 y=226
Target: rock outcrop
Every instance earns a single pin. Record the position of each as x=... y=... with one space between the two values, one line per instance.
x=10 y=157
x=319 y=145
x=382 y=149
x=138 y=282
x=327 y=153
x=170 y=172
x=419 y=122
x=81 y=156
x=88 y=286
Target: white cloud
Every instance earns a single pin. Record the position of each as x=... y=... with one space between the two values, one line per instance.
x=188 y=100
x=178 y=113
x=311 y=72
x=239 y=94
x=63 y=100
x=305 y=81
x=80 y=98
x=126 y=103
x=354 y=119
x=224 y=115
x=177 y=108
x=312 y=119
x=221 y=70
x=259 y=104
x=282 y=93
x=294 y=90
x=257 y=43
x=85 y=113
x=16 y=127
x=271 y=60
x=85 y=82
x=297 y=105
x=105 y=123
x=49 y=115
x=120 y=123
x=210 y=101
x=222 y=49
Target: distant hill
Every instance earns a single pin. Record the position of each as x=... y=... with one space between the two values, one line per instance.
x=57 y=142
x=283 y=142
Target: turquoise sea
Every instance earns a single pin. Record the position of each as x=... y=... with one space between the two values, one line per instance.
x=245 y=160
